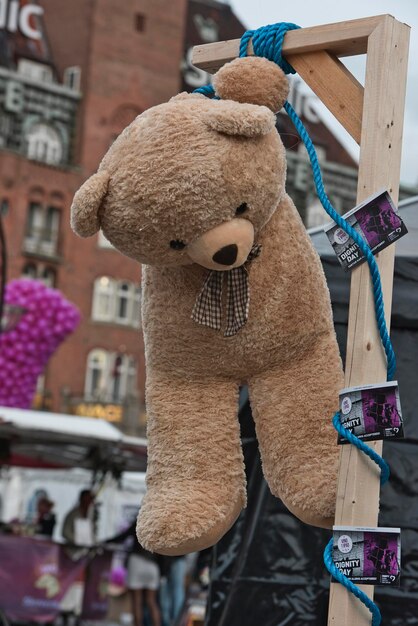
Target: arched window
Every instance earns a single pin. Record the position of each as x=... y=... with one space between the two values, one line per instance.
x=104 y=299
x=44 y=144
x=96 y=374
x=110 y=377
x=42 y=229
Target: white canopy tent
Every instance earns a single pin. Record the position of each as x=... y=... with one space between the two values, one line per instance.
x=51 y=440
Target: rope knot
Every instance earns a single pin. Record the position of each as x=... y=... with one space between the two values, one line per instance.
x=268 y=42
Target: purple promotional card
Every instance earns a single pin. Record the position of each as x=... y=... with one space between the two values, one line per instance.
x=371 y=412
x=369 y=556
x=378 y=223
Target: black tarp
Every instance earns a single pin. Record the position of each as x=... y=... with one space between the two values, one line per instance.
x=268 y=569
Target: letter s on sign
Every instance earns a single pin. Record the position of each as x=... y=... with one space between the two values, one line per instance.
x=26 y=12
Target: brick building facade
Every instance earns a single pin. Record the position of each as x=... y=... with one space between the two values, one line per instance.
x=72 y=76
x=95 y=66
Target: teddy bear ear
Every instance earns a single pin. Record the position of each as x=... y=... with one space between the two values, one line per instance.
x=253 y=80
x=86 y=204
x=233 y=118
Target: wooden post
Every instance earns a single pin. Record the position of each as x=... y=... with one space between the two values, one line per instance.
x=374 y=117
x=380 y=156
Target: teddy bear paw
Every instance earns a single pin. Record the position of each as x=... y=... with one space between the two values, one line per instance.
x=176 y=520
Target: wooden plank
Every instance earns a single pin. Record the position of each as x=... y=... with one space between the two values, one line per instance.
x=334 y=85
x=342 y=38
x=380 y=155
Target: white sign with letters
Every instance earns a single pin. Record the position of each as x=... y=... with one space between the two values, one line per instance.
x=14 y=17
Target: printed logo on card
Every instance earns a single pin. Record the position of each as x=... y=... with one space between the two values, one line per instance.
x=345 y=544
x=340 y=236
x=346 y=405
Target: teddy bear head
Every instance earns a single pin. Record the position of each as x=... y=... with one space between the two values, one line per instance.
x=193 y=180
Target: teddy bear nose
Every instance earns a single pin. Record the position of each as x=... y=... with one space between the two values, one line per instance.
x=226 y=255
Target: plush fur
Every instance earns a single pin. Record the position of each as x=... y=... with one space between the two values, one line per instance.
x=262 y=83
x=179 y=173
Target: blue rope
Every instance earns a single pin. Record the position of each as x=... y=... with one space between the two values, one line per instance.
x=343 y=580
x=208 y=91
x=344 y=432
x=374 y=269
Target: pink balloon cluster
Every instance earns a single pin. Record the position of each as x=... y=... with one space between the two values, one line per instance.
x=25 y=349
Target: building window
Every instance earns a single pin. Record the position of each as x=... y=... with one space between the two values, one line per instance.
x=123 y=377
x=124 y=300
x=48 y=276
x=110 y=377
x=51 y=229
x=140 y=22
x=35 y=71
x=131 y=377
x=42 y=229
x=116 y=301
x=44 y=144
x=72 y=77
x=96 y=373
x=30 y=271
x=136 y=313
x=34 y=226
x=103 y=299
x=41 y=272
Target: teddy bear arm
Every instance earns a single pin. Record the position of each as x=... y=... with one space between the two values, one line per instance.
x=293 y=406
x=195 y=473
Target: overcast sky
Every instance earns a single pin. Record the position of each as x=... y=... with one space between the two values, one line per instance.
x=256 y=13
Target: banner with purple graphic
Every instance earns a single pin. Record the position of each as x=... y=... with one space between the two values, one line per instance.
x=378 y=223
x=371 y=412
x=368 y=556
x=34 y=577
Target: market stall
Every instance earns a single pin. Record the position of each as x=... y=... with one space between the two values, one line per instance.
x=46 y=570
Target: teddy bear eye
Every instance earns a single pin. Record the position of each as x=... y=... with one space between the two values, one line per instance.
x=241 y=209
x=176 y=244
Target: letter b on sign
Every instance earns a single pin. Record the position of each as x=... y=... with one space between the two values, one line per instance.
x=14 y=99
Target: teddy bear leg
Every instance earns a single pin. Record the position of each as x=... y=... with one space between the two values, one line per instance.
x=293 y=408
x=195 y=474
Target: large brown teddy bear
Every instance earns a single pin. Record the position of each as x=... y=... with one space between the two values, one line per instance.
x=195 y=185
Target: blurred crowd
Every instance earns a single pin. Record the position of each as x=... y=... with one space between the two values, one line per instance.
x=156 y=585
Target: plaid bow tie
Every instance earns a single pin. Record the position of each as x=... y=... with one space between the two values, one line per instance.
x=207 y=309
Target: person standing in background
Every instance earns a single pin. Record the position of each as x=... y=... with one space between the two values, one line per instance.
x=79 y=529
x=172 y=590
x=45 y=520
x=143 y=579
x=79 y=523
